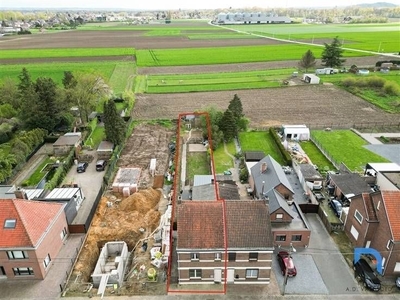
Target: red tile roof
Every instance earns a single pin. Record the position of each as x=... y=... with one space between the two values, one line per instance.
x=392 y=205
x=200 y=225
x=248 y=224
x=33 y=218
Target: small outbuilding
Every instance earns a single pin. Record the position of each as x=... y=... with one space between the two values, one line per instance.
x=311 y=79
x=105 y=150
x=295 y=132
x=66 y=142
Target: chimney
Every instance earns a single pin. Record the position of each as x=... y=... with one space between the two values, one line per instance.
x=263 y=167
x=20 y=193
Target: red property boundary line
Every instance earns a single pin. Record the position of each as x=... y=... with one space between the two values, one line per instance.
x=177 y=179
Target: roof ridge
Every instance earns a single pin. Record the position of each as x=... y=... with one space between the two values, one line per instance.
x=22 y=218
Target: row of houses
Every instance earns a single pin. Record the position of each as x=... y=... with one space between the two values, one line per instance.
x=251 y=18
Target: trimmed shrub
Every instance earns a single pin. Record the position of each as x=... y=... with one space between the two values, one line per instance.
x=391 y=88
x=376 y=82
x=286 y=156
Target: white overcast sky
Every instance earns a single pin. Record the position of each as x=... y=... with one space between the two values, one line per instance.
x=176 y=4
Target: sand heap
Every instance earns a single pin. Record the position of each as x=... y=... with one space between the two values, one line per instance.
x=118 y=220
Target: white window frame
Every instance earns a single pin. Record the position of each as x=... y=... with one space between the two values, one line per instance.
x=196 y=275
x=194 y=256
x=388 y=244
x=355 y=216
x=279 y=216
x=10 y=223
x=252 y=273
x=218 y=256
x=17 y=254
x=47 y=260
x=253 y=258
x=63 y=233
x=378 y=205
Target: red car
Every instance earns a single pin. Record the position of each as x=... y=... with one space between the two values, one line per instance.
x=286 y=263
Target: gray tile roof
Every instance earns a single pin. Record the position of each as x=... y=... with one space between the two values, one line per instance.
x=276 y=201
x=254 y=155
x=350 y=183
x=228 y=191
x=204 y=192
x=310 y=173
x=272 y=176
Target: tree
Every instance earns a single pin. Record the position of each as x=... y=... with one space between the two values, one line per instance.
x=9 y=93
x=217 y=136
x=332 y=54
x=114 y=125
x=69 y=80
x=236 y=107
x=307 y=61
x=228 y=125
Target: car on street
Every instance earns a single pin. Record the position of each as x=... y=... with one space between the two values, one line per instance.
x=81 y=167
x=286 y=264
x=369 y=279
x=337 y=207
x=101 y=165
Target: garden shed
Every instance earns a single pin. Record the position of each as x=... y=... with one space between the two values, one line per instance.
x=105 y=150
x=311 y=79
x=66 y=142
x=295 y=132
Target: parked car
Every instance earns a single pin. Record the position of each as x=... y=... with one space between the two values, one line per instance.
x=398 y=282
x=319 y=196
x=337 y=207
x=286 y=263
x=81 y=167
x=287 y=169
x=227 y=172
x=363 y=270
x=101 y=165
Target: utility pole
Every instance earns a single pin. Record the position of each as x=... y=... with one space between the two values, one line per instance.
x=291 y=249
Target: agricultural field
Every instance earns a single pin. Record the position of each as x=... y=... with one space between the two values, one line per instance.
x=347 y=147
x=315 y=106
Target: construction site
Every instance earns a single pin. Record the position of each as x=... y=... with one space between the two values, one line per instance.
x=127 y=245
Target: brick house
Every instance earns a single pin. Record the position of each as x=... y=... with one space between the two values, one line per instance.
x=374 y=221
x=202 y=240
x=32 y=234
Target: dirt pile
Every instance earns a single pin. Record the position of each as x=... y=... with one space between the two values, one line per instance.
x=118 y=219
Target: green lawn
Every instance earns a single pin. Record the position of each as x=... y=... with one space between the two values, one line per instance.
x=316 y=156
x=197 y=164
x=260 y=141
x=122 y=77
x=222 y=160
x=178 y=83
x=39 y=173
x=347 y=147
x=96 y=137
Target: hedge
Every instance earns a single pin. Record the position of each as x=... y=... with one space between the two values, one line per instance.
x=286 y=156
x=61 y=171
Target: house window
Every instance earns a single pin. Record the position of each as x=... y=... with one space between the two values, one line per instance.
x=217 y=256
x=194 y=256
x=47 y=260
x=17 y=254
x=253 y=256
x=279 y=216
x=252 y=273
x=10 y=223
x=296 y=238
x=232 y=256
x=23 y=271
x=194 y=273
x=358 y=216
x=280 y=238
x=388 y=244
x=378 y=205
x=63 y=233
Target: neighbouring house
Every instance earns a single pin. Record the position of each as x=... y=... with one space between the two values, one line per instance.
x=295 y=132
x=373 y=221
x=201 y=242
x=268 y=174
x=383 y=176
x=105 y=150
x=287 y=222
x=110 y=266
x=65 y=143
x=32 y=234
x=346 y=185
x=204 y=188
x=311 y=78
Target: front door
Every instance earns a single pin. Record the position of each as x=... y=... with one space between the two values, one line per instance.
x=231 y=276
x=217 y=275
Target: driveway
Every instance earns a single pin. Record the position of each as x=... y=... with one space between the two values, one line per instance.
x=90 y=182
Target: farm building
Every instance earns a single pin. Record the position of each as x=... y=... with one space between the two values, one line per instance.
x=296 y=132
x=251 y=18
x=311 y=79
x=326 y=71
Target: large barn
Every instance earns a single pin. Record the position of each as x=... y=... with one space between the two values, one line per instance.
x=251 y=18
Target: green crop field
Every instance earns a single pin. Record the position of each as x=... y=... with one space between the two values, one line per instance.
x=216 y=81
x=122 y=77
x=347 y=147
x=371 y=37
x=107 y=69
x=226 y=55
x=65 y=52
